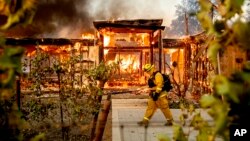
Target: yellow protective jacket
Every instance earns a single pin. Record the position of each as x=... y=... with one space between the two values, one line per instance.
x=159 y=82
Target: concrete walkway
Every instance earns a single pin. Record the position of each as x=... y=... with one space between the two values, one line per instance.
x=127 y=112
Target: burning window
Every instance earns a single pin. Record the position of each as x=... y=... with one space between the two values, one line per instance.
x=129 y=63
x=126 y=39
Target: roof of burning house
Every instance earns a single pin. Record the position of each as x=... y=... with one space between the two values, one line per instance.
x=172 y=43
x=137 y=25
x=47 y=41
x=195 y=39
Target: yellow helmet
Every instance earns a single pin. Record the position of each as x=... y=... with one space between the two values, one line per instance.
x=147 y=67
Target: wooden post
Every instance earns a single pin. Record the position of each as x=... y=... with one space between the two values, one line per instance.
x=151 y=49
x=61 y=108
x=164 y=62
x=160 y=50
x=140 y=69
x=101 y=54
x=248 y=55
x=187 y=63
x=186 y=23
x=18 y=92
x=81 y=65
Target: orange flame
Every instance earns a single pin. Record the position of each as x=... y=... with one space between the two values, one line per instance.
x=88 y=36
x=106 y=40
x=128 y=63
x=106 y=51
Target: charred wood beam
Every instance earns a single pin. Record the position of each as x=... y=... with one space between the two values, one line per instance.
x=160 y=50
x=141 y=54
x=101 y=50
x=203 y=47
x=48 y=41
x=129 y=27
x=151 y=49
x=122 y=48
x=173 y=43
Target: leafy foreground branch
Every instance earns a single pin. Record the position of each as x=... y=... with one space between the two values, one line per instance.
x=11 y=121
x=228 y=105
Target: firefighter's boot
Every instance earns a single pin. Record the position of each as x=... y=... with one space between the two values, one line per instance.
x=169 y=123
x=143 y=122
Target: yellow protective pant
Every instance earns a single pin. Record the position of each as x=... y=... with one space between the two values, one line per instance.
x=162 y=104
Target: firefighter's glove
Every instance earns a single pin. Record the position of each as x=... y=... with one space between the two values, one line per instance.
x=154 y=95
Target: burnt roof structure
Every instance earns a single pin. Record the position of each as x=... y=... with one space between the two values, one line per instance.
x=173 y=43
x=48 y=41
x=124 y=26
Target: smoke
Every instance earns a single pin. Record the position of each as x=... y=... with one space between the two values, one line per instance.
x=57 y=19
x=71 y=18
x=64 y=16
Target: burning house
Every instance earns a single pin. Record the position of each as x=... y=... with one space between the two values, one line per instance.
x=131 y=43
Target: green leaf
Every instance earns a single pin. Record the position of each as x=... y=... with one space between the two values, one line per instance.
x=163 y=137
x=39 y=137
x=242 y=33
x=204 y=16
x=99 y=92
x=221 y=118
x=22 y=15
x=191 y=108
x=182 y=107
x=222 y=85
x=207 y=101
x=206 y=21
x=2 y=41
x=12 y=52
x=179 y=134
x=9 y=81
x=212 y=52
x=246 y=77
x=182 y=119
x=202 y=136
x=205 y=5
x=233 y=7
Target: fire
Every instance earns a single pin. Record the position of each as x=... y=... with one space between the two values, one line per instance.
x=106 y=40
x=128 y=63
x=77 y=46
x=88 y=36
x=30 y=54
x=44 y=48
x=106 y=51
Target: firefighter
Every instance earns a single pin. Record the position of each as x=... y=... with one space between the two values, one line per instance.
x=157 y=97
